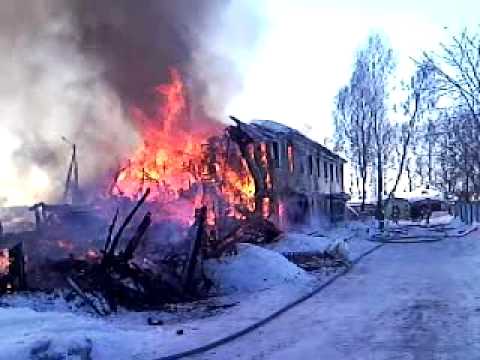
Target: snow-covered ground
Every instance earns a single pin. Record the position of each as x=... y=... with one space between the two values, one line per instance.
x=310 y=240
x=254 y=269
x=411 y=301
x=251 y=285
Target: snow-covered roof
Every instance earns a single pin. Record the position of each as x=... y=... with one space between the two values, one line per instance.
x=413 y=196
x=420 y=194
x=269 y=130
x=274 y=126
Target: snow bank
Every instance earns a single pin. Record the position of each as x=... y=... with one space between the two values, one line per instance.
x=253 y=269
x=296 y=242
x=27 y=334
x=420 y=194
x=348 y=238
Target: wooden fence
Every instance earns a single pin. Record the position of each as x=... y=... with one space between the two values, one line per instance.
x=468 y=212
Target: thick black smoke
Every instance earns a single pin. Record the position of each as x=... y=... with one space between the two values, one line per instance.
x=73 y=68
x=138 y=41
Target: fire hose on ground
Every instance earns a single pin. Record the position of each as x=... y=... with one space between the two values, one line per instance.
x=376 y=239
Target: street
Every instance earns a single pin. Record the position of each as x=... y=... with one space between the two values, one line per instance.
x=404 y=301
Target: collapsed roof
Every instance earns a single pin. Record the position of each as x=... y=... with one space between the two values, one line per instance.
x=268 y=130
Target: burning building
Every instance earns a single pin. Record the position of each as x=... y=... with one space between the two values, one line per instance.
x=237 y=183
x=262 y=168
x=297 y=180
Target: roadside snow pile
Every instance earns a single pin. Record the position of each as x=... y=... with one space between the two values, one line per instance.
x=346 y=239
x=28 y=334
x=296 y=242
x=253 y=269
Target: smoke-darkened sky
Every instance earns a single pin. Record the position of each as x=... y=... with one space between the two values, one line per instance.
x=73 y=69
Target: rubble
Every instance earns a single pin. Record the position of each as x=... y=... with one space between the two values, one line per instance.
x=115 y=276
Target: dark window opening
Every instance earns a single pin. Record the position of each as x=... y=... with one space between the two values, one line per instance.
x=276 y=154
x=318 y=168
x=310 y=164
x=325 y=171
x=331 y=172
x=341 y=175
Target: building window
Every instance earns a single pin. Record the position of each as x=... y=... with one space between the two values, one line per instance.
x=341 y=176
x=276 y=154
x=319 y=174
x=336 y=174
x=266 y=207
x=251 y=151
x=291 y=166
x=310 y=164
x=325 y=171
x=331 y=172
x=263 y=155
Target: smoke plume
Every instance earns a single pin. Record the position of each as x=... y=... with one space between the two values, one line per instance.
x=72 y=69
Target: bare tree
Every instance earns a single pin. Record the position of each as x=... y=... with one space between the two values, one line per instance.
x=378 y=64
x=353 y=132
x=421 y=101
x=457 y=66
x=361 y=120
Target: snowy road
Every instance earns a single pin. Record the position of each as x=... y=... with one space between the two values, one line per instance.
x=409 y=301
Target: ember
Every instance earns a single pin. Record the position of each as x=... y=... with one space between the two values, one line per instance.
x=4 y=261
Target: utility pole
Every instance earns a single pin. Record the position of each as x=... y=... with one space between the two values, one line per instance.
x=72 y=187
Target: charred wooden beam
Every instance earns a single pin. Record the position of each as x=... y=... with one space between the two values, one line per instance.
x=39 y=216
x=76 y=288
x=110 y=232
x=111 y=251
x=189 y=270
x=135 y=240
x=254 y=229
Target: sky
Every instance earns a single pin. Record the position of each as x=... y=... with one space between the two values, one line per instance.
x=306 y=51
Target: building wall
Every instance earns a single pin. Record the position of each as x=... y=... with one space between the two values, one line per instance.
x=313 y=170
x=307 y=177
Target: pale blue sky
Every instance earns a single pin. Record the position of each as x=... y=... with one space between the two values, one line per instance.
x=306 y=49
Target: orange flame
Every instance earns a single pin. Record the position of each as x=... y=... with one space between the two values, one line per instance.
x=4 y=261
x=174 y=157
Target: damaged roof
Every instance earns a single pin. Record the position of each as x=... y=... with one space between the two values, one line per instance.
x=268 y=130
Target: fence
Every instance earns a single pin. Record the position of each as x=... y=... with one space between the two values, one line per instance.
x=468 y=212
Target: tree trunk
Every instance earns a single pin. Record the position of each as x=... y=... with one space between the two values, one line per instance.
x=409 y=175
x=380 y=213
x=364 y=190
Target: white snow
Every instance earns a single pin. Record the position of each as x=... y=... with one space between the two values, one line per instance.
x=27 y=334
x=420 y=194
x=252 y=269
x=348 y=237
x=299 y=242
x=401 y=302
x=260 y=281
x=273 y=126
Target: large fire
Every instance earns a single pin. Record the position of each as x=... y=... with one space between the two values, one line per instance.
x=174 y=159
